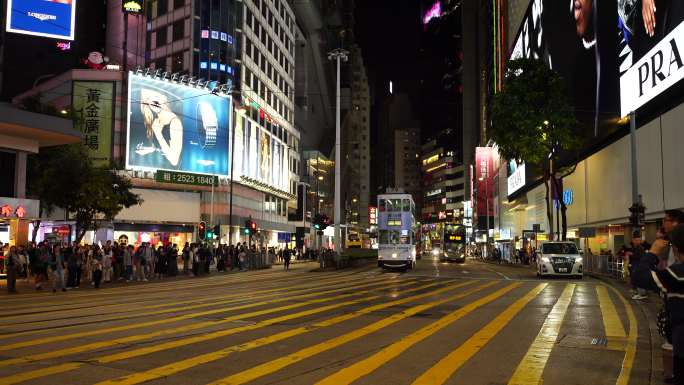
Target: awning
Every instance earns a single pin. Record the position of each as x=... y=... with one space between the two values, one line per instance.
x=28 y=131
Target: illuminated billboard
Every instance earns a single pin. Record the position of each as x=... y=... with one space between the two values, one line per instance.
x=176 y=127
x=135 y=7
x=516 y=176
x=47 y=18
x=434 y=12
x=259 y=154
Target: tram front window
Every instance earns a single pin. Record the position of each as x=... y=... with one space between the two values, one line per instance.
x=393 y=237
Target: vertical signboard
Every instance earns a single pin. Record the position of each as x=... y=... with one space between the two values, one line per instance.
x=484 y=172
x=93 y=106
x=47 y=18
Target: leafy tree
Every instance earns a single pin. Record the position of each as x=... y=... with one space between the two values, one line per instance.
x=55 y=176
x=534 y=122
x=65 y=177
x=101 y=198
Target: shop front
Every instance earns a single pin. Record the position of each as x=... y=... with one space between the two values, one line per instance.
x=15 y=216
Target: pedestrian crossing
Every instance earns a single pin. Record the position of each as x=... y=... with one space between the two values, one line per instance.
x=360 y=326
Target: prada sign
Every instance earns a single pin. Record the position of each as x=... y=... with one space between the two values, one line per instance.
x=656 y=71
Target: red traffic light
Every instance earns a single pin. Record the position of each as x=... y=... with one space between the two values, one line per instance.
x=253 y=225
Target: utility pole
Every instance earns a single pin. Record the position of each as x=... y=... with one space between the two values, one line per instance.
x=637 y=210
x=339 y=55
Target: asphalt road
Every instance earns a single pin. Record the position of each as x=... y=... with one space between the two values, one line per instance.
x=471 y=323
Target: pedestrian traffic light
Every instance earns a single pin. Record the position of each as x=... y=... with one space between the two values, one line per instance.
x=250 y=227
x=253 y=227
x=321 y=222
x=202 y=231
x=217 y=231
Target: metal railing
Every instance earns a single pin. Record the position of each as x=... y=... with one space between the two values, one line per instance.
x=608 y=265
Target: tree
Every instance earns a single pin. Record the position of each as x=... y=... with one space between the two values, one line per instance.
x=534 y=122
x=52 y=182
x=101 y=198
x=65 y=177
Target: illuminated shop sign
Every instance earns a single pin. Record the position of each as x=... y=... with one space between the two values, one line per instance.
x=133 y=6
x=516 y=179
x=434 y=12
x=47 y=18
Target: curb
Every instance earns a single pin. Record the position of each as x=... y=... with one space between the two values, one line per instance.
x=655 y=340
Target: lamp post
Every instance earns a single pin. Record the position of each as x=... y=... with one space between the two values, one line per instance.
x=338 y=55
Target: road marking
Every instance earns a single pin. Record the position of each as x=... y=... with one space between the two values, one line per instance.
x=21 y=314
x=447 y=366
x=280 y=363
x=188 y=363
x=531 y=368
x=630 y=351
x=29 y=375
x=370 y=364
x=611 y=320
x=182 y=329
x=304 y=288
x=217 y=282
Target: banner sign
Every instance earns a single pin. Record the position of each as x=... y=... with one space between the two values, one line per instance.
x=484 y=172
x=176 y=127
x=659 y=69
x=93 y=106
x=47 y=18
x=164 y=176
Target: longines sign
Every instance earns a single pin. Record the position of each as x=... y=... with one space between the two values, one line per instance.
x=655 y=72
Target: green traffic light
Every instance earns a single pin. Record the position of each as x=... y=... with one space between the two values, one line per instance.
x=317 y=226
x=247 y=231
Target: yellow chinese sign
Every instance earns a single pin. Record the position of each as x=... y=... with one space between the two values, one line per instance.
x=93 y=106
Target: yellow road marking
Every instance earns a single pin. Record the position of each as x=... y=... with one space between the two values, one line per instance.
x=630 y=351
x=280 y=363
x=279 y=298
x=305 y=288
x=186 y=328
x=370 y=364
x=611 y=321
x=447 y=366
x=29 y=375
x=188 y=363
x=69 y=299
x=531 y=368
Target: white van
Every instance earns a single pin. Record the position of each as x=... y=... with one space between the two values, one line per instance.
x=559 y=259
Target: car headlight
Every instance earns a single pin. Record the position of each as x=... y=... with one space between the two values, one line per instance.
x=578 y=260
x=546 y=259
x=394 y=255
x=435 y=252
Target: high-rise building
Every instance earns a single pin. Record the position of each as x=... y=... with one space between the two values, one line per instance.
x=443 y=180
x=397 y=161
x=356 y=144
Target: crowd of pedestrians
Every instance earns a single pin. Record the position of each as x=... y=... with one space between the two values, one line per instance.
x=72 y=266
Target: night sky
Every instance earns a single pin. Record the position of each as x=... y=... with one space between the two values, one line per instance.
x=389 y=32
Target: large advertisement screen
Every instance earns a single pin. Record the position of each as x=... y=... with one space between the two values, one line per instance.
x=652 y=40
x=259 y=154
x=47 y=18
x=617 y=55
x=176 y=127
x=93 y=106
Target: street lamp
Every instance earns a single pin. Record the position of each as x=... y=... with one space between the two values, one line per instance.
x=338 y=55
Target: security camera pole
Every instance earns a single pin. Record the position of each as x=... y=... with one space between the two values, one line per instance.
x=338 y=55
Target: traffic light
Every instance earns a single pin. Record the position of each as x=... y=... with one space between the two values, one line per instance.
x=250 y=227
x=637 y=215
x=321 y=222
x=217 y=231
x=202 y=231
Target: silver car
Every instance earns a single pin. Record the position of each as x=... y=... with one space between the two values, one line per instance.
x=559 y=259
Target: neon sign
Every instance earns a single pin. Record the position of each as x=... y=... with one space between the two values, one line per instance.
x=435 y=11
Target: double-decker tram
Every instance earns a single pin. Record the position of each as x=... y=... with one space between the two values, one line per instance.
x=396 y=231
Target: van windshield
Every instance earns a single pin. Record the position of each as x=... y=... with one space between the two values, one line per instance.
x=559 y=248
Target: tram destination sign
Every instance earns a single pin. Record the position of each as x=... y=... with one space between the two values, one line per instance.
x=163 y=176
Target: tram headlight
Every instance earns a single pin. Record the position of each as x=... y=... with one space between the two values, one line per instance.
x=435 y=252
x=394 y=255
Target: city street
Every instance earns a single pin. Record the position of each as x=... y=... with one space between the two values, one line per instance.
x=474 y=323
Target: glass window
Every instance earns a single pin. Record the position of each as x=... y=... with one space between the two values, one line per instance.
x=178 y=30
x=161 y=36
x=178 y=3
x=381 y=204
x=162 y=7
x=559 y=248
x=406 y=205
x=394 y=237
